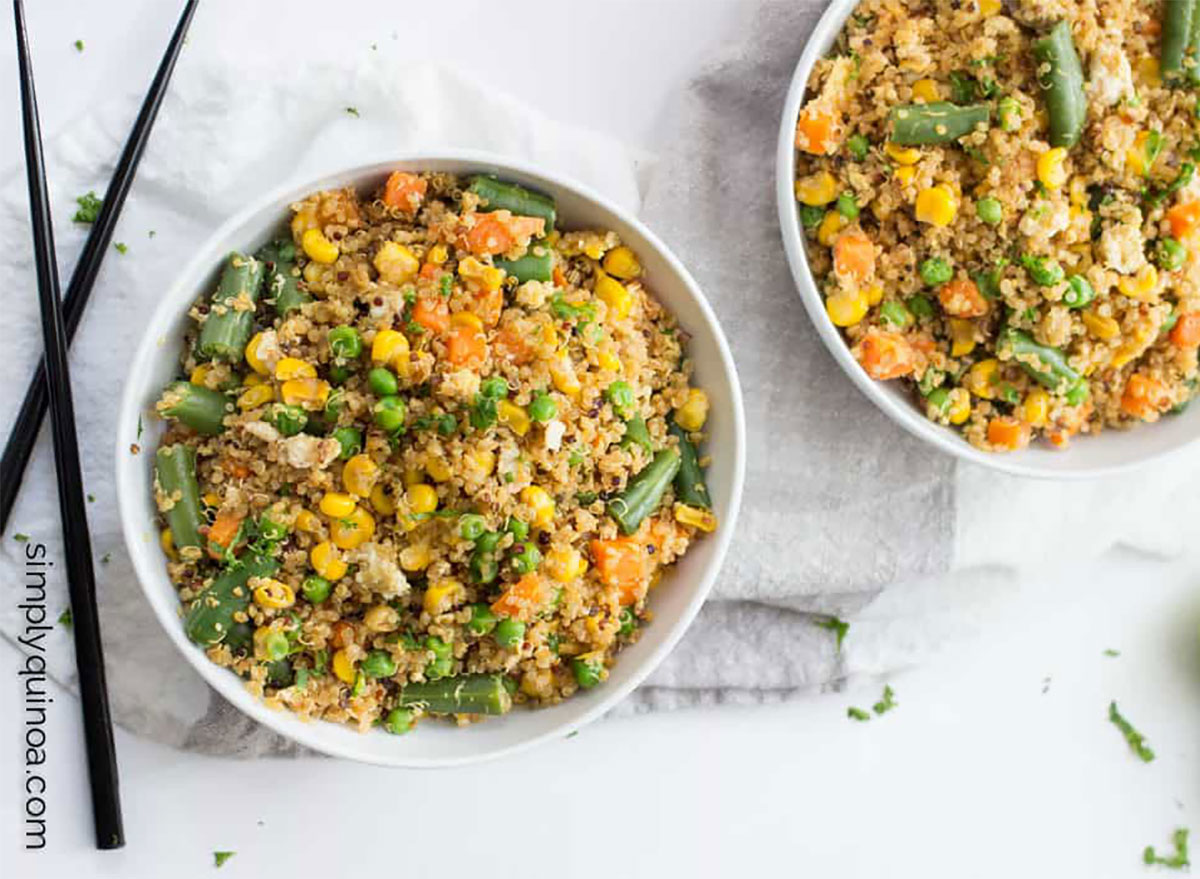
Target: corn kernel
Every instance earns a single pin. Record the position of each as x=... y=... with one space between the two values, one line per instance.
x=1036 y=407
x=608 y=360
x=343 y=667
x=167 y=541
x=700 y=519
x=481 y=463
x=1052 y=168
x=381 y=501
x=291 y=367
x=540 y=504
x=412 y=476
x=562 y=373
x=902 y=155
x=1135 y=158
x=1134 y=346
x=199 y=375
x=273 y=594
x=381 y=618
x=906 y=174
x=359 y=475
x=621 y=262
x=960 y=406
x=1078 y=191
x=391 y=348
x=473 y=271
x=307 y=521
x=817 y=189
x=308 y=393
x=438 y=469
x=253 y=380
x=395 y=263
x=936 y=205
x=252 y=398
x=565 y=563
x=874 y=295
x=831 y=225
x=1142 y=285
x=261 y=637
x=318 y=247
x=305 y=219
x=1101 y=326
x=437 y=255
x=513 y=416
x=252 y=357
x=694 y=412
x=421 y=498
x=353 y=530
x=466 y=319
x=1149 y=71
x=926 y=90
x=415 y=557
x=615 y=295
x=847 y=307
x=336 y=505
x=442 y=596
x=962 y=337
x=327 y=562
x=314 y=275
x=981 y=378
x=988 y=8
x=211 y=499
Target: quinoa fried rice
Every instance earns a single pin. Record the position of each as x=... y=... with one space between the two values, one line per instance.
x=430 y=455
x=1003 y=211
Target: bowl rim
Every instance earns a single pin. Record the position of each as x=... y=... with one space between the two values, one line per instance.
x=900 y=410
x=166 y=608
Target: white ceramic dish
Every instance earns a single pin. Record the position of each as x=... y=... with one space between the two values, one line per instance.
x=1111 y=451
x=675 y=602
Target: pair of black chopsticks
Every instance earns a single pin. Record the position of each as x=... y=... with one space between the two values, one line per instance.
x=53 y=383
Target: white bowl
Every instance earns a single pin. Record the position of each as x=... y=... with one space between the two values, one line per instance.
x=1111 y=451
x=675 y=601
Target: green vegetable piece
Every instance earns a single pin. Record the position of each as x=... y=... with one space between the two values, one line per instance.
x=1060 y=75
x=858 y=147
x=379 y=664
x=482 y=620
x=939 y=122
x=1044 y=271
x=443 y=658
x=527 y=560
x=471 y=526
x=350 y=439
x=498 y=195
x=587 y=674
x=483 y=566
x=345 y=343
x=390 y=413
x=1045 y=364
x=316 y=589
x=382 y=382
x=690 y=487
x=283 y=277
x=542 y=407
x=847 y=205
x=465 y=694
x=644 y=492
x=517 y=528
x=1079 y=292
x=935 y=271
x=621 y=397
x=279 y=671
x=219 y=858
x=494 y=388
x=89 y=208
x=210 y=616
x=990 y=211
x=1137 y=741
x=628 y=621
x=537 y=264
x=288 y=420
x=920 y=306
x=1170 y=255
x=226 y=328
x=175 y=477
x=509 y=633
x=1179 y=860
x=1008 y=114
x=201 y=409
x=488 y=541
x=399 y=721
x=637 y=433
x=1176 y=34
x=895 y=313
x=811 y=216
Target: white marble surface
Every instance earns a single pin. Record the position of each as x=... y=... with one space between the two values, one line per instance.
x=977 y=773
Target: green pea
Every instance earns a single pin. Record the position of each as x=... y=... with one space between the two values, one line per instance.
x=390 y=413
x=1079 y=292
x=275 y=645
x=482 y=620
x=345 y=343
x=443 y=658
x=1170 y=255
x=896 y=314
x=528 y=559
x=620 y=395
x=587 y=674
x=542 y=408
x=1044 y=271
x=288 y=420
x=350 y=439
x=920 y=306
x=939 y=400
x=316 y=589
x=935 y=271
x=628 y=622
x=339 y=373
x=811 y=216
x=509 y=633
x=483 y=567
x=847 y=205
x=494 y=388
x=379 y=664
x=334 y=404
x=382 y=382
x=488 y=541
x=1078 y=393
x=1008 y=114
x=399 y=721
x=471 y=526
x=858 y=147
x=517 y=528
x=990 y=211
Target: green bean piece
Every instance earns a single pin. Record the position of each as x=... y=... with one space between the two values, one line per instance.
x=283 y=278
x=465 y=694
x=211 y=616
x=509 y=633
x=175 y=475
x=587 y=674
x=498 y=195
x=201 y=409
x=690 y=487
x=1008 y=114
x=1193 y=49
x=399 y=721
x=1060 y=75
x=644 y=492
x=1079 y=293
x=536 y=265
x=858 y=147
x=637 y=432
x=482 y=620
x=1044 y=363
x=226 y=329
x=939 y=122
x=1170 y=254
x=1176 y=35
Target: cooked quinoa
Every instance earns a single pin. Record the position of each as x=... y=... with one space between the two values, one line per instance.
x=430 y=456
x=1003 y=210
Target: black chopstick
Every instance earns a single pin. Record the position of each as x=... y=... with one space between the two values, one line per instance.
x=89 y=655
x=28 y=422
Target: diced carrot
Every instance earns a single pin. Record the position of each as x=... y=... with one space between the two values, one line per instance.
x=1059 y=438
x=815 y=132
x=1151 y=27
x=522 y=599
x=404 y=191
x=510 y=346
x=1006 y=432
x=1186 y=332
x=885 y=355
x=488 y=305
x=1144 y=397
x=428 y=271
x=1184 y=218
x=854 y=256
x=499 y=231
x=560 y=280
x=236 y=469
x=433 y=313
x=622 y=563
x=223 y=531
x=961 y=298
x=466 y=346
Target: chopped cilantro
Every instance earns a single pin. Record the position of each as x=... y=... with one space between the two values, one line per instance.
x=415 y=328
x=106 y=558
x=21 y=538
x=1110 y=652
x=151 y=234
x=219 y=858
x=833 y=624
x=91 y=498
x=374 y=47
x=122 y=247
x=65 y=619
x=1137 y=742
x=79 y=45
x=564 y=310
x=858 y=714
x=887 y=703
x=572 y=734
x=353 y=111
x=139 y=433
x=89 y=208
x=1177 y=861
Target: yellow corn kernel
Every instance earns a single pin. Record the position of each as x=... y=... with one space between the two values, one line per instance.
x=1149 y=72
x=200 y=373
x=906 y=174
x=308 y=393
x=381 y=501
x=1135 y=158
x=874 y=295
x=988 y=8
x=1101 y=326
x=562 y=373
x=305 y=219
x=391 y=348
x=314 y=276
x=415 y=557
x=540 y=504
x=1078 y=191
x=291 y=367
x=442 y=596
x=352 y=531
x=437 y=255
x=343 y=667
x=261 y=634
x=422 y=498
x=513 y=416
x=962 y=337
x=1052 y=168
x=831 y=225
x=359 y=475
x=253 y=397
x=847 y=307
x=902 y=155
x=438 y=470
x=252 y=380
x=485 y=276
x=981 y=378
x=395 y=263
x=307 y=521
x=1142 y=285
x=167 y=541
x=615 y=295
x=1035 y=408
x=960 y=406
x=936 y=205
x=466 y=319
x=549 y=336
x=412 y=476
x=926 y=90
x=694 y=412
x=381 y=618
x=608 y=360
x=252 y=356
x=211 y=499
x=273 y=594
x=327 y=562
x=565 y=563
x=318 y=247
x=817 y=189
x=621 y=262
x=700 y=519
x=481 y=463
x=1135 y=345
x=336 y=505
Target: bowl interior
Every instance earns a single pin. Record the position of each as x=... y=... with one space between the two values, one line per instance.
x=675 y=601
x=1111 y=451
